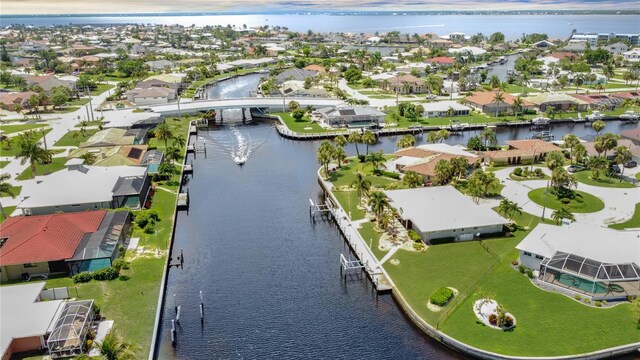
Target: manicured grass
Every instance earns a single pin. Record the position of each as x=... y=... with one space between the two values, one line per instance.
x=101 y=88
x=632 y=223
x=513 y=89
x=589 y=202
x=349 y=202
x=368 y=233
x=75 y=138
x=66 y=110
x=89 y=123
x=4 y=163
x=346 y=175
x=300 y=126
x=604 y=180
x=15 y=149
x=493 y=191
x=15 y=190
x=78 y=102
x=56 y=164
x=10 y=129
x=638 y=176
x=8 y=210
x=522 y=178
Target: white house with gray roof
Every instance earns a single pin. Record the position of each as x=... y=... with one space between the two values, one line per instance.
x=352 y=116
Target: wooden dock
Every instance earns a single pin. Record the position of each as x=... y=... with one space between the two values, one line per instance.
x=183 y=200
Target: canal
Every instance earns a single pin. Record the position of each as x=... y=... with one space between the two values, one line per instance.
x=270 y=278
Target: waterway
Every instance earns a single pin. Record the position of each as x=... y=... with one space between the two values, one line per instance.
x=237 y=87
x=270 y=278
x=513 y=26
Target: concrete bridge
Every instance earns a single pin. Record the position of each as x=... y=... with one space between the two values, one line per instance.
x=277 y=104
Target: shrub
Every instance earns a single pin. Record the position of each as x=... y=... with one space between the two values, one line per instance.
x=604 y=302
x=598 y=303
x=390 y=174
x=441 y=297
x=508 y=321
x=514 y=262
x=493 y=319
x=522 y=269
x=362 y=158
x=538 y=173
x=109 y=273
x=587 y=301
x=144 y=217
x=578 y=297
x=414 y=235
x=82 y=277
x=120 y=264
x=530 y=273
x=446 y=240
x=565 y=201
x=418 y=246
x=517 y=171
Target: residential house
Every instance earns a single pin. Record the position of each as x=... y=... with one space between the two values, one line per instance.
x=151 y=96
x=628 y=143
x=317 y=68
x=442 y=108
x=405 y=84
x=599 y=101
x=113 y=155
x=442 y=212
x=423 y=159
x=10 y=100
x=584 y=259
x=294 y=74
x=632 y=55
x=26 y=318
x=486 y=102
x=442 y=61
x=295 y=88
x=81 y=188
x=543 y=44
x=617 y=48
x=159 y=65
x=519 y=152
x=61 y=243
x=557 y=101
x=351 y=116
x=48 y=82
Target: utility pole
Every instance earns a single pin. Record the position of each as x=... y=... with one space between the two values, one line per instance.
x=90 y=105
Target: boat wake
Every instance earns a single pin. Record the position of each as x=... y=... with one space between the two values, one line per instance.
x=239 y=145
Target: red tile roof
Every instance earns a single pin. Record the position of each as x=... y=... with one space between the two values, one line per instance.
x=537 y=145
x=488 y=97
x=34 y=239
x=441 y=60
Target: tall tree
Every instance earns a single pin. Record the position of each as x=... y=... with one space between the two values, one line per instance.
x=361 y=184
x=622 y=155
x=355 y=138
x=443 y=171
x=5 y=190
x=561 y=214
x=412 y=179
x=113 y=347
x=489 y=136
x=369 y=138
x=378 y=202
x=498 y=98
x=406 y=141
x=598 y=125
x=571 y=141
x=163 y=133
x=31 y=151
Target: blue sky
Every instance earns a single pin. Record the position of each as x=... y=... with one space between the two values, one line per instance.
x=139 y=6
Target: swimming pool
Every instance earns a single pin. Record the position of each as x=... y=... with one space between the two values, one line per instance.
x=581 y=284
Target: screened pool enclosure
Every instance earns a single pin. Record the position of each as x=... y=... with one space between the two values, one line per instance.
x=70 y=330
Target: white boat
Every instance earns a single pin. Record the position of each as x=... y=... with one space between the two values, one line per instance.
x=540 y=120
x=595 y=115
x=630 y=116
x=239 y=160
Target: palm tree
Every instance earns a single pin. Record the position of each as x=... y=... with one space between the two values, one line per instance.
x=406 y=141
x=459 y=167
x=355 y=138
x=163 y=133
x=598 y=125
x=178 y=142
x=378 y=202
x=480 y=182
x=571 y=141
x=561 y=214
x=113 y=347
x=88 y=158
x=518 y=103
x=172 y=153
x=498 y=97
x=489 y=136
x=622 y=155
x=494 y=81
x=340 y=140
x=375 y=158
x=31 y=151
x=369 y=138
x=325 y=154
x=361 y=184
x=443 y=171
x=596 y=164
x=578 y=81
x=608 y=70
x=339 y=155
x=554 y=159
x=412 y=179
x=5 y=189
x=509 y=209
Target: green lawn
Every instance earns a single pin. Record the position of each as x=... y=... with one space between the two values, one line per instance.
x=78 y=102
x=589 y=202
x=604 y=180
x=300 y=126
x=56 y=164
x=632 y=223
x=368 y=233
x=638 y=176
x=15 y=149
x=75 y=137
x=346 y=175
x=349 y=201
x=90 y=123
x=493 y=191
x=522 y=178
x=4 y=163
x=8 y=210
x=10 y=129
x=101 y=88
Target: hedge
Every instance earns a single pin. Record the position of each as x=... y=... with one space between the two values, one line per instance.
x=442 y=296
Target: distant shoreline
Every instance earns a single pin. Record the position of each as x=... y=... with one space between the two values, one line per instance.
x=344 y=13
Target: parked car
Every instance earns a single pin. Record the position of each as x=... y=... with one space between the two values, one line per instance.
x=631 y=164
x=614 y=168
x=575 y=168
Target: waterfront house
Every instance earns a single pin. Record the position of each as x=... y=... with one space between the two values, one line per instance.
x=81 y=188
x=519 y=152
x=543 y=44
x=405 y=84
x=295 y=88
x=628 y=143
x=48 y=82
x=113 y=155
x=485 y=101
x=557 y=101
x=632 y=55
x=586 y=259
x=61 y=243
x=617 y=48
x=441 y=108
x=352 y=116
x=442 y=61
x=153 y=83
x=442 y=212
x=151 y=96
x=26 y=318
x=598 y=101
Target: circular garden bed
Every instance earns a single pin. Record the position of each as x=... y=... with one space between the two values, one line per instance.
x=490 y=313
x=578 y=202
